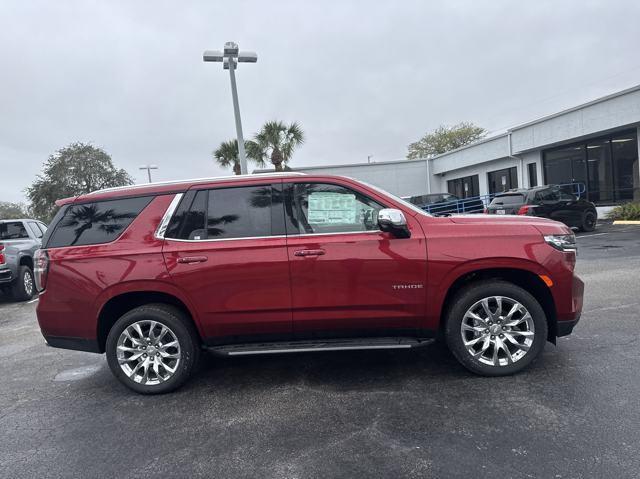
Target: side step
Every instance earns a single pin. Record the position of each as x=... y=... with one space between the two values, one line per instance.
x=305 y=346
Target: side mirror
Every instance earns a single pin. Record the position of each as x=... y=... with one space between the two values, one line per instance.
x=393 y=221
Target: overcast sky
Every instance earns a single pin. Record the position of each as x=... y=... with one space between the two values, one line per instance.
x=362 y=78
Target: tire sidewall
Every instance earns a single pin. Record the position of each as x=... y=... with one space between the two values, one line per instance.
x=585 y=226
x=173 y=319
x=469 y=296
x=18 y=291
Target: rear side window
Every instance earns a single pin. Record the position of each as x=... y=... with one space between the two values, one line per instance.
x=508 y=200
x=95 y=223
x=548 y=195
x=13 y=230
x=228 y=213
x=35 y=229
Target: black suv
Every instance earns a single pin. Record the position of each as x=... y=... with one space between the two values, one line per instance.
x=547 y=202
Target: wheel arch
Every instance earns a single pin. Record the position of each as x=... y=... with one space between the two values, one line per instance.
x=119 y=304
x=525 y=278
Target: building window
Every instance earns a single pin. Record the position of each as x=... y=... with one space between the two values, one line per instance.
x=533 y=174
x=464 y=187
x=502 y=180
x=607 y=167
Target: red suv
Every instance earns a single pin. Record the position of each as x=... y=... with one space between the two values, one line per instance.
x=278 y=263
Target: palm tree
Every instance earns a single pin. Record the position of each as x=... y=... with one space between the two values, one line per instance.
x=276 y=142
x=227 y=154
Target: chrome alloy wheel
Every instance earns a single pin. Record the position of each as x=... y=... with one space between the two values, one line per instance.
x=27 y=281
x=148 y=352
x=497 y=331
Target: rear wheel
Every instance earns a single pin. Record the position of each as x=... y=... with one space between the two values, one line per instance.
x=588 y=221
x=153 y=349
x=23 y=288
x=495 y=328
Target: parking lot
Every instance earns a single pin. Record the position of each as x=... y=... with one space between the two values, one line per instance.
x=575 y=413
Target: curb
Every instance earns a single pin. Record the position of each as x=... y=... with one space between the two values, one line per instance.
x=626 y=222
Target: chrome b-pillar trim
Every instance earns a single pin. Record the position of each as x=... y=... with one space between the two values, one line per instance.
x=162 y=227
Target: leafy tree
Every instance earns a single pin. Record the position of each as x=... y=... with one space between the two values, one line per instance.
x=445 y=138
x=13 y=210
x=227 y=154
x=74 y=170
x=276 y=142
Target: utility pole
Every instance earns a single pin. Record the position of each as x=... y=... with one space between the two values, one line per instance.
x=149 y=168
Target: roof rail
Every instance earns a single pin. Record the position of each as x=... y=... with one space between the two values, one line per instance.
x=197 y=180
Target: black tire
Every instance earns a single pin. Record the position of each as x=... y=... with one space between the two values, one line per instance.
x=183 y=330
x=24 y=286
x=589 y=219
x=468 y=297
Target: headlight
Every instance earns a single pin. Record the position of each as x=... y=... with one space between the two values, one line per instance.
x=562 y=242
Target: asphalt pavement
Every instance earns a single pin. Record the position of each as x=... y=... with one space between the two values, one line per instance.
x=574 y=413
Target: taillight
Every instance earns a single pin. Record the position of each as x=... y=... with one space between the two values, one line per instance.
x=524 y=210
x=41 y=268
x=2 y=260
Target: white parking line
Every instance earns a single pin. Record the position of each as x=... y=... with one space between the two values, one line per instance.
x=596 y=234
x=33 y=300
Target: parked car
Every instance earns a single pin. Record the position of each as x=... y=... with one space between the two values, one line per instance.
x=19 y=240
x=446 y=204
x=275 y=263
x=547 y=202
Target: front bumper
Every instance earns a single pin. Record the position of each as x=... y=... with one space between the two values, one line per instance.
x=565 y=328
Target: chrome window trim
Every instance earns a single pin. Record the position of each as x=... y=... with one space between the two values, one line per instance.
x=168 y=214
x=271 y=236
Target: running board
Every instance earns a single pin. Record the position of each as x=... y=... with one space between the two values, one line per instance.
x=305 y=346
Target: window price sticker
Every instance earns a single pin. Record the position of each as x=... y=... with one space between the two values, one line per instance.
x=331 y=208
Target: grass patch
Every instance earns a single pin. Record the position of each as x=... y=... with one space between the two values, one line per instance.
x=626 y=212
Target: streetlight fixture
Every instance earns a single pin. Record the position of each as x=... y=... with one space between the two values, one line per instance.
x=149 y=168
x=230 y=57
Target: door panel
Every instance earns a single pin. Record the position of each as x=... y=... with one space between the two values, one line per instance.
x=226 y=249
x=350 y=282
x=362 y=282
x=241 y=289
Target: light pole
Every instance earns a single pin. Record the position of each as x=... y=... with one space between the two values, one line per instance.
x=149 y=168
x=230 y=57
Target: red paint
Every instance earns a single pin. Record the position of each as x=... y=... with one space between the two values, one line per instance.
x=300 y=284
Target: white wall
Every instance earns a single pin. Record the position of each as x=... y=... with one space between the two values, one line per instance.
x=402 y=178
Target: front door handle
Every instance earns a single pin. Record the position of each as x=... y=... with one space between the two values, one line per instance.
x=309 y=252
x=192 y=259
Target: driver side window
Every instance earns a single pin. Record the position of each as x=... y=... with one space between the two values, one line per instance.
x=316 y=208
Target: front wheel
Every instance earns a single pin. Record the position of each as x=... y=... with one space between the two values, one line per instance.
x=495 y=328
x=152 y=349
x=589 y=220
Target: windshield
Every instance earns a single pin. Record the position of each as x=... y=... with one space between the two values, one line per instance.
x=396 y=198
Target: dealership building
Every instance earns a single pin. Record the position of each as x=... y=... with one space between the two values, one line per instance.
x=594 y=145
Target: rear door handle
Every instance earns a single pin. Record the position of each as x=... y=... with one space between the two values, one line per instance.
x=309 y=252
x=192 y=259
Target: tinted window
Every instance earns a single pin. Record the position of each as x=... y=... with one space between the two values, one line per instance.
x=188 y=220
x=94 y=223
x=325 y=208
x=13 y=230
x=547 y=195
x=239 y=212
x=37 y=232
x=508 y=200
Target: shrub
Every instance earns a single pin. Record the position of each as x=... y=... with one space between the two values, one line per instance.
x=628 y=212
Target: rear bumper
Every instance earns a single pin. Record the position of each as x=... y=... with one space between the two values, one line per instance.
x=77 y=344
x=6 y=276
